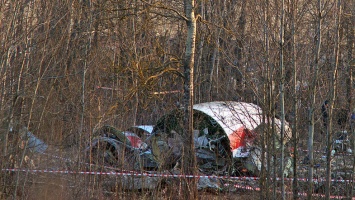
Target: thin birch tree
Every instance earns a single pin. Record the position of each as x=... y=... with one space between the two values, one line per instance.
x=295 y=99
x=282 y=98
x=351 y=81
x=188 y=154
x=333 y=92
x=311 y=109
x=268 y=91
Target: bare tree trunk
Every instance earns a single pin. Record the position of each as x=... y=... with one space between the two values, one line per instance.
x=214 y=65
x=350 y=92
x=313 y=99
x=21 y=81
x=295 y=100
x=200 y=50
x=241 y=73
x=71 y=37
x=282 y=99
x=15 y=32
x=83 y=78
x=188 y=151
x=8 y=72
x=264 y=181
x=334 y=83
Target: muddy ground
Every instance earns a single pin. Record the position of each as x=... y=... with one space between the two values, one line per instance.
x=58 y=184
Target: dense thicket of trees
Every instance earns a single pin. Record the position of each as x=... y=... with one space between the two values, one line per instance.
x=68 y=67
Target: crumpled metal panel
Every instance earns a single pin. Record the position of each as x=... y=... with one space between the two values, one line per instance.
x=33 y=143
x=239 y=121
x=146 y=128
x=232 y=115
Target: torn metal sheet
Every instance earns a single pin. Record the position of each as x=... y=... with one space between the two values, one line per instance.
x=231 y=115
x=135 y=141
x=106 y=151
x=209 y=183
x=222 y=130
x=32 y=143
x=115 y=148
x=112 y=132
x=138 y=135
x=148 y=129
x=133 y=183
x=241 y=122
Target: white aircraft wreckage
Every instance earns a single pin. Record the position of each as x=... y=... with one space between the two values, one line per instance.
x=226 y=136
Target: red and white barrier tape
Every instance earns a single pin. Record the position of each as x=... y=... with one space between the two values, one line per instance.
x=128 y=174
x=132 y=173
x=170 y=176
x=160 y=175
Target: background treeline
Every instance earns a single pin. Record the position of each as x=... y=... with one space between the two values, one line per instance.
x=70 y=66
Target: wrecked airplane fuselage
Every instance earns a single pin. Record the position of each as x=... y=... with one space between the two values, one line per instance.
x=224 y=132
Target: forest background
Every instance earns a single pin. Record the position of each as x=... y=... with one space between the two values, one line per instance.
x=68 y=67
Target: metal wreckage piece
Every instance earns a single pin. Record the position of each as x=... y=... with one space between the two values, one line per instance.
x=31 y=142
x=225 y=137
x=114 y=148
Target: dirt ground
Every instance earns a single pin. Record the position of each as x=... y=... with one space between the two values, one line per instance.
x=58 y=186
